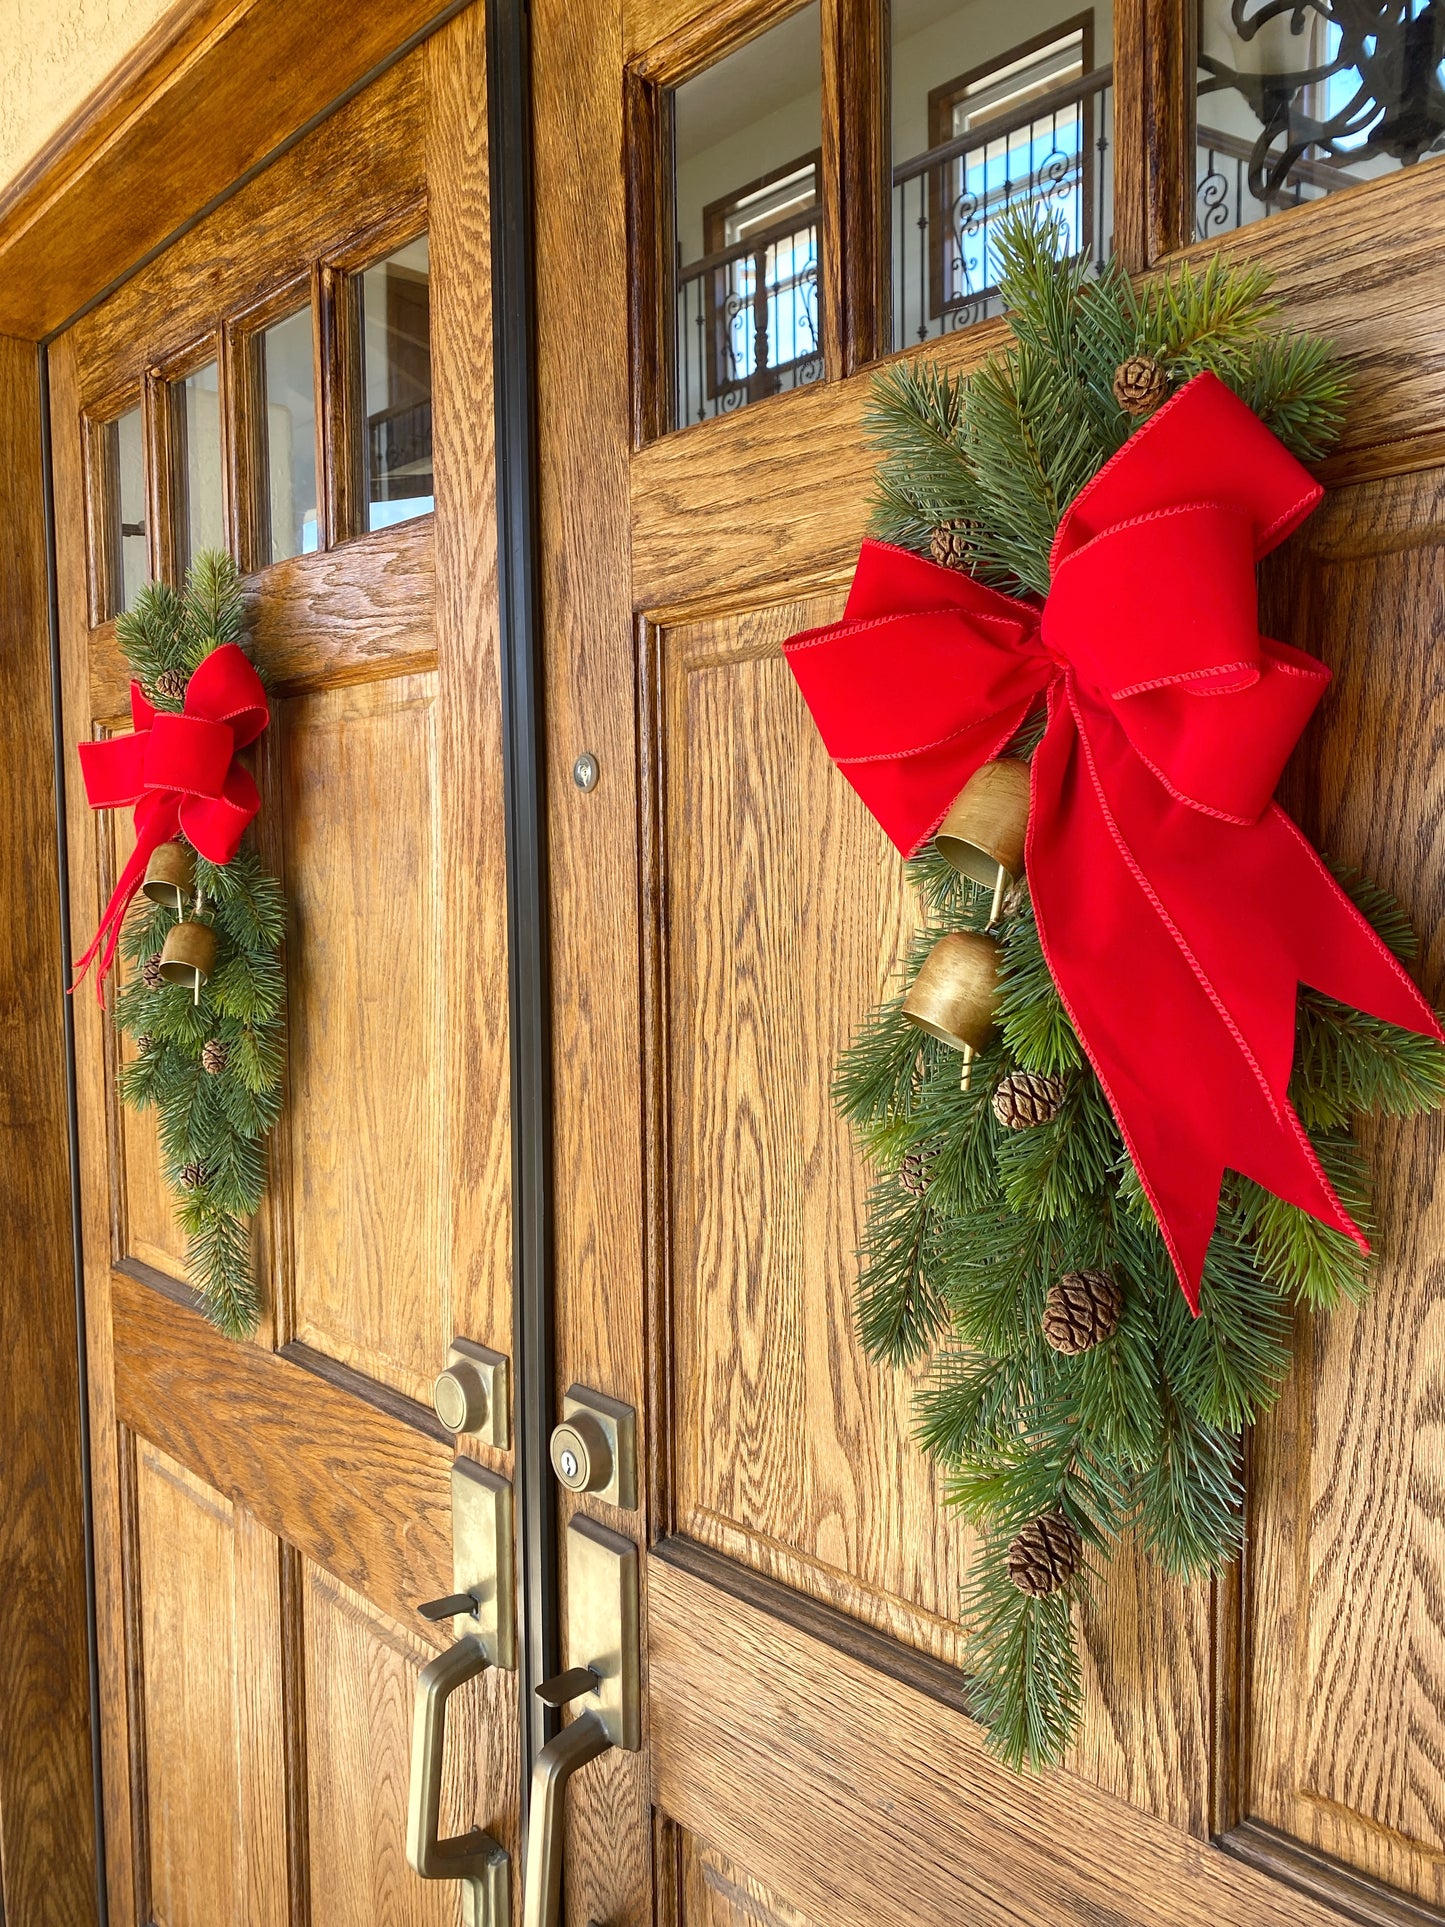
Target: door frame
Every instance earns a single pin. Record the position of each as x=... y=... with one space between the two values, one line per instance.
x=189 y=115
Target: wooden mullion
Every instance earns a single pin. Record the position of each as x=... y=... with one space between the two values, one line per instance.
x=833 y=293
x=160 y=493
x=329 y=375
x=1170 y=34
x=651 y=224
x=339 y=407
x=237 y=472
x=1131 y=134
x=856 y=113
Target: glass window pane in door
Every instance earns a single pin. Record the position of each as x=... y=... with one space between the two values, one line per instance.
x=198 y=506
x=995 y=107
x=747 y=247
x=395 y=305
x=126 y=507
x=286 y=382
x=1298 y=101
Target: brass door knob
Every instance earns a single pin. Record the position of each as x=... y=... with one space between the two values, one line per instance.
x=470 y=1395
x=582 y=1453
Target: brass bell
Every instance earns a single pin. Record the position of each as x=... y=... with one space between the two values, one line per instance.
x=189 y=956
x=955 y=995
x=983 y=834
x=170 y=876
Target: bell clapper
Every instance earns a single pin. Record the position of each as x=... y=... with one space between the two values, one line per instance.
x=965 y=1075
x=999 y=888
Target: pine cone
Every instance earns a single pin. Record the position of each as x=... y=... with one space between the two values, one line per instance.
x=948 y=544
x=150 y=972
x=143 y=1043
x=215 y=1056
x=1024 y=1098
x=171 y=684
x=1045 y=1555
x=915 y=1170
x=1082 y=1310
x=192 y=1175
x=1140 y=384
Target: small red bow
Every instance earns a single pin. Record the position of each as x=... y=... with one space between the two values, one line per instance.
x=1177 y=905
x=181 y=774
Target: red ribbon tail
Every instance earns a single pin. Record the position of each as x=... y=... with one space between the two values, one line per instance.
x=155 y=824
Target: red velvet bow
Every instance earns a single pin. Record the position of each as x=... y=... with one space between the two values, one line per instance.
x=181 y=774
x=1178 y=906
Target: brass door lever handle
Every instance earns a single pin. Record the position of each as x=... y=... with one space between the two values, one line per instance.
x=573 y=1747
x=473 y=1858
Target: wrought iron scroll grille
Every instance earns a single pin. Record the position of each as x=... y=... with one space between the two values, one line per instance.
x=1339 y=91
x=748 y=321
x=1055 y=154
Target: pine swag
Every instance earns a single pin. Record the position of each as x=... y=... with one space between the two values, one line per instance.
x=209 y=1065
x=1073 y=1402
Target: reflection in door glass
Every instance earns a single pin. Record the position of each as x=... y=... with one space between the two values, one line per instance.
x=395 y=302
x=200 y=521
x=286 y=459
x=1298 y=98
x=747 y=134
x=125 y=489
x=996 y=106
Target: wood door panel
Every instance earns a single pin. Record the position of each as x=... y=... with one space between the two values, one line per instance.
x=207 y=1704
x=355 y=1488
x=1347 y=1656
x=344 y=615
x=845 y=1776
x=716 y=1892
x=358 y=782
x=361 y=1672
x=787 y=915
x=790 y=1450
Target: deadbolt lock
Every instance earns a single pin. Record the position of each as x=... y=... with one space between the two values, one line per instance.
x=471 y=1394
x=594 y=1449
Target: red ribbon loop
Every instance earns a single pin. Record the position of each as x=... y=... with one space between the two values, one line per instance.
x=180 y=773
x=1156 y=858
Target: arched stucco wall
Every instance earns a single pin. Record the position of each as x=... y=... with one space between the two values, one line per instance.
x=52 y=54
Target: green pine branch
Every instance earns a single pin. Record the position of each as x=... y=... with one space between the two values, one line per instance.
x=209 y=1066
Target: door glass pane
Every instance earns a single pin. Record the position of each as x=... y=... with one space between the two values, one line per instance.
x=1298 y=100
x=995 y=106
x=200 y=521
x=286 y=459
x=395 y=301
x=748 y=240
x=125 y=505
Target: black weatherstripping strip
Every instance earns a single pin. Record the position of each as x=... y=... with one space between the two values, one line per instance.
x=513 y=357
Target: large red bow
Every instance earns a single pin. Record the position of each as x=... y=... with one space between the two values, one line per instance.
x=181 y=774
x=1178 y=906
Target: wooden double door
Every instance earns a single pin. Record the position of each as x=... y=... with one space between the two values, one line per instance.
x=269 y=1516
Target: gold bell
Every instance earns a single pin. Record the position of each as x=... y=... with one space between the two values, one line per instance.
x=955 y=995
x=984 y=831
x=170 y=875
x=189 y=956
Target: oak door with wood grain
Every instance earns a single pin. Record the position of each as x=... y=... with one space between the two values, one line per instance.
x=269 y=1515
x=725 y=911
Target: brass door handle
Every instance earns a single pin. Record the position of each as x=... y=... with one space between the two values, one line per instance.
x=559 y=1759
x=474 y=1858
x=605 y=1672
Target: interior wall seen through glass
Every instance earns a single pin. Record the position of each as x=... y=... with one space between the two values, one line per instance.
x=126 y=485
x=996 y=105
x=747 y=194
x=199 y=510
x=395 y=319
x=287 y=381
x=1299 y=98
